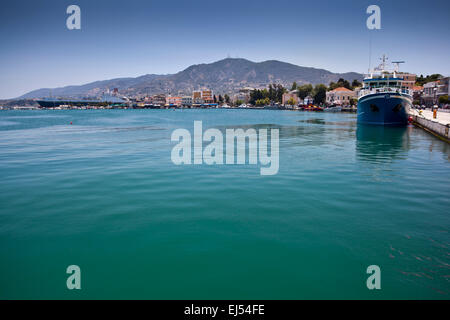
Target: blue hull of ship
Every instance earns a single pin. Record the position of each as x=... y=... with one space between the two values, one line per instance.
x=389 y=109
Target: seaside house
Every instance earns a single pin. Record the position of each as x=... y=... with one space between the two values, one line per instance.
x=429 y=96
x=186 y=101
x=243 y=94
x=432 y=91
x=290 y=95
x=196 y=95
x=308 y=100
x=443 y=87
x=158 y=99
x=340 y=96
x=197 y=98
x=240 y=97
x=207 y=96
x=409 y=79
x=202 y=96
x=173 y=101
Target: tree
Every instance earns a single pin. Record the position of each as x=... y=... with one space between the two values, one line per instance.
x=347 y=85
x=227 y=98
x=279 y=90
x=255 y=95
x=291 y=102
x=275 y=94
x=272 y=93
x=304 y=91
x=294 y=86
x=220 y=98
x=332 y=86
x=239 y=102
x=320 y=93
x=341 y=83
x=262 y=102
x=420 y=81
x=215 y=99
x=356 y=84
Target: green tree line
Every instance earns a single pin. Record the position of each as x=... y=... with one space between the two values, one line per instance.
x=421 y=80
x=274 y=93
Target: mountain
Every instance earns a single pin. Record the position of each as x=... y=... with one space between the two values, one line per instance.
x=224 y=76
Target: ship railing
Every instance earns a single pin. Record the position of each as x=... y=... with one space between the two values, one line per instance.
x=364 y=92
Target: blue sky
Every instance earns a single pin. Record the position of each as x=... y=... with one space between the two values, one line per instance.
x=134 y=37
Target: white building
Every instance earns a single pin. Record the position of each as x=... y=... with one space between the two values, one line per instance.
x=186 y=101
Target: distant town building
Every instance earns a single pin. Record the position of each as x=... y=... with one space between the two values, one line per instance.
x=196 y=95
x=186 y=101
x=158 y=99
x=432 y=91
x=308 y=100
x=241 y=97
x=443 y=87
x=207 y=96
x=197 y=101
x=173 y=101
x=246 y=90
x=201 y=97
x=409 y=79
x=340 y=96
x=243 y=94
x=417 y=92
x=290 y=95
x=245 y=98
x=429 y=96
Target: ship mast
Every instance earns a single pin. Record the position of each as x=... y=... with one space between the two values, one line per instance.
x=397 y=66
x=382 y=66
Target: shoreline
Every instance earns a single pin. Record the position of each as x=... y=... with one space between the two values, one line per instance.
x=439 y=126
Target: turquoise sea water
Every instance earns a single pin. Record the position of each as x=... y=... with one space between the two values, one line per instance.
x=103 y=194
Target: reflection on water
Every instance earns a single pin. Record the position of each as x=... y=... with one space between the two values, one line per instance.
x=327 y=122
x=313 y=121
x=379 y=144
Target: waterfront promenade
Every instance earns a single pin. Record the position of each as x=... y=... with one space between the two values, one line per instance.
x=439 y=126
x=442 y=117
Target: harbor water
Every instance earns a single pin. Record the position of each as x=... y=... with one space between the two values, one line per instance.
x=102 y=193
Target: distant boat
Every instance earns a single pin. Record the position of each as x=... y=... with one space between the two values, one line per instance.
x=384 y=99
x=313 y=108
x=333 y=109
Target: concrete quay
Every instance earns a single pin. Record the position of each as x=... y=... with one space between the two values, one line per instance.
x=438 y=127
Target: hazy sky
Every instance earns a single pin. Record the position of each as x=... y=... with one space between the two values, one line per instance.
x=135 y=37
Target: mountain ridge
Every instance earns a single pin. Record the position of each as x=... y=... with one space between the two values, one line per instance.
x=222 y=76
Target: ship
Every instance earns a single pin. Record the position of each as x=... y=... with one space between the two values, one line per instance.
x=103 y=101
x=384 y=98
